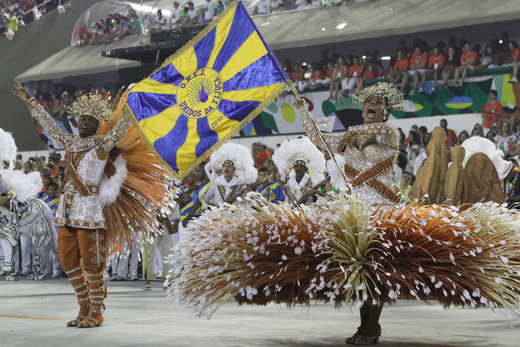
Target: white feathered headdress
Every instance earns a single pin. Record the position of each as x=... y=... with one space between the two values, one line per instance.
x=241 y=158
x=26 y=186
x=475 y=145
x=7 y=150
x=292 y=151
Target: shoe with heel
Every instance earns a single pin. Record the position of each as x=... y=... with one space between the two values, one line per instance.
x=368 y=340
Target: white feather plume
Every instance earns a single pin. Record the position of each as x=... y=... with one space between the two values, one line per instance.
x=7 y=149
x=335 y=176
x=26 y=186
x=110 y=188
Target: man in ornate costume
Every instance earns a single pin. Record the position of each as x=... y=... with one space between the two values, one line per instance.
x=79 y=214
x=308 y=163
x=238 y=170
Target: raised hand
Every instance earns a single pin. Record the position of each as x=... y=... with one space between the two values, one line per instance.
x=347 y=139
x=21 y=92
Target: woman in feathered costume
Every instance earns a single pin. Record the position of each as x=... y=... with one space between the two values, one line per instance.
x=365 y=249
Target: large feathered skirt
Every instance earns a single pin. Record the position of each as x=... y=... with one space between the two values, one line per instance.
x=343 y=251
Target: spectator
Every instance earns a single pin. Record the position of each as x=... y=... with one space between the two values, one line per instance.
x=503 y=48
x=400 y=68
x=513 y=59
x=510 y=151
x=124 y=29
x=210 y=10
x=469 y=60
x=184 y=16
x=513 y=122
x=175 y=21
x=355 y=72
x=490 y=57
x=369 y=71
x=98 y=32
x=193 y=14
x=451 y=137
x=317 y=77
x=477 y=131
x=298 y=4
x=340 y=71
x=262 y=7
x=492 y=111
x=260 y=153
x=414 y=148
x=136 y=23
x=418 y=68
x=502 y=139
x=463 y=136
x=13 y=22
x=407 y=180
x=435 y=64
x=426 y=139
x=452 y=63
x=159 y=22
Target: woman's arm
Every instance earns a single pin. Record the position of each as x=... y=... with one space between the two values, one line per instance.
x=313 y=133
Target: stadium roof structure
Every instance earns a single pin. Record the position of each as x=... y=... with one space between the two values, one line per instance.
x=364 y=19
x=75 y=61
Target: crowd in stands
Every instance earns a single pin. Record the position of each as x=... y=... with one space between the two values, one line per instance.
x=55 y=98
x=113 y=28
x=16 y=13
x=413 y=151
x=448 y=64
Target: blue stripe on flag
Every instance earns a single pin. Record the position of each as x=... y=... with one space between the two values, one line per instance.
x=204 y=47
x=207 y=136
x=240 y=30
x=237 y=110
x=168 y=74
x=261 y=73
x=146 y=105
x=168 y=145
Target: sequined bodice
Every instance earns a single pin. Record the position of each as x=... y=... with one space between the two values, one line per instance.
x=370 y=169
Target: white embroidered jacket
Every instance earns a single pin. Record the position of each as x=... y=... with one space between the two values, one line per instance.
x=79 y=205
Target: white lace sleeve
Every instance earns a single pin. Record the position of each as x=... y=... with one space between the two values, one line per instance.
x=312 y=132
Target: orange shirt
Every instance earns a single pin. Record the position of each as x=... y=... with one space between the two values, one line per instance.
x=317 y=74
x=330 y=73
x=356 y=70
x=491 y=117
x=416 y=60
x=465 y=56
x=262 y=156
x=514 y=55
x=401 y=64
x=368 y=74
x=436 y=60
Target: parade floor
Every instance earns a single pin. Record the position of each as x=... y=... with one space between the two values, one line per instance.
x=35 y=314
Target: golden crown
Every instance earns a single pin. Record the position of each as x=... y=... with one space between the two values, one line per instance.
x=382 y=89
x=91 y=105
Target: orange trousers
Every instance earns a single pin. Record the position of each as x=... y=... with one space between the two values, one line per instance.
x=82 y=246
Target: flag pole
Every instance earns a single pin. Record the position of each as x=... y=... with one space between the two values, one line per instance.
x=320 y=135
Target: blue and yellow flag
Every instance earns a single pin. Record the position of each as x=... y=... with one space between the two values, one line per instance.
x=207 y=91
